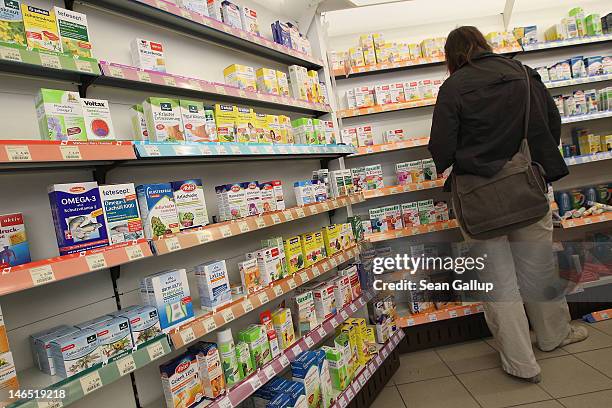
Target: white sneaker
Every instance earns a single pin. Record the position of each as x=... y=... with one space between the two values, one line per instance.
x=577 y=333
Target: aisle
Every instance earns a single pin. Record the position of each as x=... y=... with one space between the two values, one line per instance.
x=467 y=375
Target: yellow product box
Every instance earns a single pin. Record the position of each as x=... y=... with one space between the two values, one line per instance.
x=356 y=57
x=318 y=236
x=312 y=252
x=261 y=130
x=378 y=39
x=41 y=28
x=370 y=341
x=273 y=129
x=241 y=76
x=360 y=326
x=415 y=51
x=367 y=46
x=403 y=51
x=351 y=332
x=589 y=143
x=226 y=122
x=346 y=236
x=283 y=84
x=245 y=125
x=8 y=376
x=284 y=124
x=606 y=143
x=11 y=23
x=331 y=238
x=495 y=39
x=429 y=48
x=283 y=325
x=314 y=86
x=267 y=81
x=294 y=254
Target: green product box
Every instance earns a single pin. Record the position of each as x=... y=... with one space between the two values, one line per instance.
x=11 y=23
x=337 y=367
x=256 y=339
x=578 y=14
x=593 y=25
x=357 y=226
x=60 y=115
x=163 y=117
x=74 y=32
x=343 y=344
x=278 y=243
x=245 y=363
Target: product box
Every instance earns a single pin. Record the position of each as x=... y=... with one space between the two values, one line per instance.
x=60 y=115
x=225 y=116
x=593 y=25
x=248 y=17
x=374 y=177
x=214 y=9
x=181 y=381
x=121 y=213
x=351 y=332
x=213 y=285
x=250 y=276
x=76 y=352
x=114 y=338
x=281 y=34
x=277 y=190
x=190 y=204
x=299 y=81
x=382 y=94
x=410 y=215
x=319 y=130
x=272 y=129
x=337 y=367
x=441 y=211
x=283 y=84
x=294 y=254
x=231 y=14
x=148 y=55
x=78 y=217
x=324 y=300
x=365 y=136
x=236 y=201
x=210 y=371
x=245 y=363
x=357 y=227
x=304 y=312
x=305 y=369
x=267 y=81
x=353 y=275
x=158 y=209
x=311 y=249
x=342 y=344
x=197 y=6
x=211 y=124
x=377 y=219
x=355 y=55
x=168 y=292
x=351 y=102
x=410 y=172
x=164 y=122
x=331 y=238
x=14 y=247
x=393 y=217
x=252 y=193
x=139 y=123
x=426 y=212
x=304 y=131
x=429 y=170
x=40 y=344
x=283 y=325
x=343 y=292
x=349 y=136
x=193 y=117
x=358 y=176
x=241 y=76
x=256 y=339
x=74 y=32
x=364 y=97
x=269 y=264
x=594 y=66
x=346 y=236
x=304 y=192
x=393 y=136
x=144 y=323
x=412 y=91
x=277 y=242
x=40 y=28
x=98 y=121
x=396 y=92
x=284 y=124
x=12 y=20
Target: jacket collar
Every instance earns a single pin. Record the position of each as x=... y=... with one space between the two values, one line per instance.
x=479 y=56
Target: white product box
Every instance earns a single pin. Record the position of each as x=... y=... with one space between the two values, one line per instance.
x=139 y=123
x=164 y=121
x=426 y=89
x=304 y=312
x=299 y=81
x=396 y=92
x=364 y=97
x=269 y=264
x=253 y=198
x=351 y=103
x=148 y=55
x=190 y=204
x=349 y=136
x=98 y=122
x=231 y=14
x=342 y=291
x=214 y=9
x=213 y=285
x=168 y=292
x=76 y=352
x=304 y=192
x=412 y=91
x=198 y=6
x=236 y=202
x=393 y=217
x=382 y=94
x=365 y=136
x=248 y=17
x=393 y=136
x=324 y=300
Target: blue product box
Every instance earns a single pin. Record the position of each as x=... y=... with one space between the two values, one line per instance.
x=158 y=209
x=121 y=214
x=78 y=217
x=578 y=67
x=14 y=247
x=594 y=65
x=282 y=35
x=280 y=401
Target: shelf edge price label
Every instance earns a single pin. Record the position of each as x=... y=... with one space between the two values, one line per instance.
x=152 y=151
x=169 y=80
x=209 y=325
x=96 y=261
x=134 y=252
x=304 y=277
x=452 y=313
x=344 y=315
x=244 y=227
x=278 y=291
x=18 y=153
x=247 y=305
x=353 y=307
x=309 y=341
x=155 y=351
x=228 y=315
x=292 y=284
x=225 y=402
x=263 y=298
x=297 y=349
x=91 y=382
x=144 y=76
x=187 y=335
x=349 y=393
x=50 y=404
x=288 y=215
x=261 y=223
x=204 y=236
x=300 y=212
x=275 y=219
x=322 y=332
x=126 y=365
x=284 y=361
x=42 y=274
x=173 y=244
x=269 y=372
x=226 y=231
x=433 y=317
x=255 y=382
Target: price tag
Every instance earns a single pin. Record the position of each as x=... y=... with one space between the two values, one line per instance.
x=205 y=151
x=187 y=335
x=225 y=231
x=433 y=317
x=220 y=89
x=134 y=252
x=316 y=271
x=353 y=307
x=260 y=222
x=221 y=150
x=50 y=404
x=325 y=206
x=269 y=372
x=288 y=215
x=321 y=332
x=228 y=315
x=18 y=153
x=300 y=212
x=173 y=244
x=284 y=360
x=342 y=402
x=144 y=76
x=410 y=322
x=50 y=61
x=278 y=290
x=309 y=341
x=452 y=313
x=116 y=72
x=378 y=360
x=344 y=315
x=292 y=284
x=195 y=84
x=152 y=151
x=605 y=316
x=225 y=403
x=204 y=236
x=263 y=298
x=255 y=382
x=162 y=5
x=91 y=382
x=297 y=349
x=126 y=365
x=333 y=262
x=247 y=306
x=304 y=277
x=276 y=219
x=244 y=226
x=349 y=393
x=235 y=150
x=169 y=80
x=155 y=351
x=186 y=13
x=11 y=54
x=362 y=380
x=96 y=261
x=41 y=275
x=210 y=325
x=467 y=311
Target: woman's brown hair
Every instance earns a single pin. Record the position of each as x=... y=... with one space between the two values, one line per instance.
x=462 y=44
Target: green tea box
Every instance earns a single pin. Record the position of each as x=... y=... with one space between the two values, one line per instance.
x=73 y=32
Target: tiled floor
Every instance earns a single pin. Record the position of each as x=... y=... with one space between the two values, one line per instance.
x=468 y=375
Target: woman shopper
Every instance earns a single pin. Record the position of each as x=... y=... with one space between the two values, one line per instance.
x=482 y=116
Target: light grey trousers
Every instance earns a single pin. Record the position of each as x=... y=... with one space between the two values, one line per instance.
x=518 y=263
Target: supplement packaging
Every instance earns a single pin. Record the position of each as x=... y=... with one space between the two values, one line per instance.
x=121 y=214
x=139 y=123
x=181 y=381
x=250 y=276
x=40 y=29
x=12 y=19
x=229 y=360
x=14 y=247
x=163 y=117
x=144 y=323
x=148 y=55
x=76 y=352
x=98 y=121
x=190 y=204
x=213 y=285
x=74 y=32
x=158 y=209
x=209 y=366
x=195 y=121
x=283 y=325
x=168 y=292
x=304 y=312
x=60 y=115
x=256 y=339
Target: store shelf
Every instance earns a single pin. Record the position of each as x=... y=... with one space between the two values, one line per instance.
x=79 y=386
x=445 y=314
x=567 y=43
x=129 y=77
x=581 y=222
x=412 y=231
x=248 y=386
x=215 y=232
x=389 y=147
x=26 y=276
x=209 y=322
x=166 y=14
x=405 y=65
x=578 y=81
x=582 y=118
x=391 y=107
x=237 y=151
x=344 y=399
x=598 y=316
x=23 y=61
x=388 y=191
x=605 y=280
x=588 y=158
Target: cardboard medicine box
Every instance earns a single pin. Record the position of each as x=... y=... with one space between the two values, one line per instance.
x=40 y=28
x=181 y=381
x=14 y=247
x=168 y=292
x=60 y=115
x=338 y=370
x=158 y=209
x=213 y=285
x=121 y=213
x=164 y=122
x=267 y=81
x=76 y=352
x=269 y=262
x=98 y=121
x=305 y=369
x=241 y=76
x=377 y=218
x=148 y=55
x=139 y=123
x=304 y=312
x=283 y=325
x=225 y=116
x=74 y=32
x=12 y=19
x=193 y=117
x=331 y=238
x=324 y=300
x=410 y=215
x=393 y=217
x=294 y=254
x=209 y=367
x=144 y=323
x=250 y=276
x=190 y=204
x=256 y=339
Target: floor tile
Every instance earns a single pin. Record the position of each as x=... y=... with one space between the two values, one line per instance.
x=594 y=400
x=599 y=359
x=437 y=393
x=566 y=376
x=539 y=354
x=421 y=365
x=496 y=389
x=596 y=340
x=469 y=356
x=605 y=326
x=388 y=397
x=543 y=404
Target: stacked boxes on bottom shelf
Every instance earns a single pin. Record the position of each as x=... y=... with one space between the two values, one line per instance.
x=8 y=372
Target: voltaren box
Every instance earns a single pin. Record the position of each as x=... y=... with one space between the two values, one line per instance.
x=98 y=121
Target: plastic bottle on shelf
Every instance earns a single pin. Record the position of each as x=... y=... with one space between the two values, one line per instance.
x=227 y=349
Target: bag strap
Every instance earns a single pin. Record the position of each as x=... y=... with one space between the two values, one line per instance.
x=527 y=104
